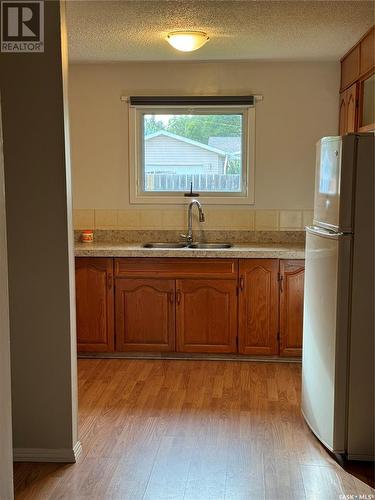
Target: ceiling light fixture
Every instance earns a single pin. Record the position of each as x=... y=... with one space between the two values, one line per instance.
x=187 y=41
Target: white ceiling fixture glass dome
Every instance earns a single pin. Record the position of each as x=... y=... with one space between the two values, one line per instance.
x=187 y=41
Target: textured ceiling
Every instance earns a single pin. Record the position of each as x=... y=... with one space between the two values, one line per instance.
x=239 y=30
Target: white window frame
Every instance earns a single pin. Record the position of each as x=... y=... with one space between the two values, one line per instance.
x=138 y=196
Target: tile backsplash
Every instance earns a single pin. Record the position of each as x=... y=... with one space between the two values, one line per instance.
x=216 y=219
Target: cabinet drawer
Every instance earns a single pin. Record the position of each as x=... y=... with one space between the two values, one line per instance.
x=176 y=268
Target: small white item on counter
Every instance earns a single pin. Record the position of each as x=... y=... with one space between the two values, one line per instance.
x=87 y=236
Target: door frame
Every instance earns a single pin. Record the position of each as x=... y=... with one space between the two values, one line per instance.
x=6 y=451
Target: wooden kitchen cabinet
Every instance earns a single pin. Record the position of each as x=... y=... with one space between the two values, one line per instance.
x=206 y=315
x=164 y=304
x=356 y=108
x=249 y=306
x=366 y=115
x=175 y=268
x=145 y=314
x=291 y=306
x=359 y=61
x=258 y=307
x=351 y=108
x=94 y=304
x=342 y=113
x=350 y=67
x=348 y=110
x=367 y=59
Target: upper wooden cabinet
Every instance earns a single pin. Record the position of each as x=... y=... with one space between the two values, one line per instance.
x=94 y=304
x=367 y=61
x=366 y=115
x=342 y=113
x=206 y=315
x=356 y=108
x=145 y=314
x=351 y=108
x=348 y=110
x=350 y=68
x=291 y=306
x=258 y=307
x=359 y=61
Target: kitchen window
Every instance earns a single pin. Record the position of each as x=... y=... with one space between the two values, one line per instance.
x=199 y=144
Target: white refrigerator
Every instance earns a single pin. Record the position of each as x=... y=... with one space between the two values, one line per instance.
x=338 y=330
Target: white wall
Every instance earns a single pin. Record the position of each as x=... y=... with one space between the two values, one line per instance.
x=300 y=106
x=6 y=456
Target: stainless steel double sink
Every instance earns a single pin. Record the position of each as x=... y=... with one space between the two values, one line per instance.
x=198 y=246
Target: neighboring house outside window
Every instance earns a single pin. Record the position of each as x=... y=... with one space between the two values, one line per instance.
x=185 y=156
x=212 y=150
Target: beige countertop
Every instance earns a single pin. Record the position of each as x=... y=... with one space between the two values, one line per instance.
x=240 y=250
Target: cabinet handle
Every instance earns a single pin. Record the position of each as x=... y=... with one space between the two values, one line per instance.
x=110 y=281
x=242 y=283
x=171 y=297
x=178 y=297
x=280 y=278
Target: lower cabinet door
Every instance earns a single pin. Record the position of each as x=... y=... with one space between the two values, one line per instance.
x=94 y=304
x=291 y=307
x=206 y=315
x=145 y=314
x=258 y=307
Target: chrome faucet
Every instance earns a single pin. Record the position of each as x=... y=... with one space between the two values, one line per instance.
x=189 y=236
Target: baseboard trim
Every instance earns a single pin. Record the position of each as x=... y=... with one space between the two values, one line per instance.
x=188 y=357
x=63 y=455
x=77 y=450
x=361 y=458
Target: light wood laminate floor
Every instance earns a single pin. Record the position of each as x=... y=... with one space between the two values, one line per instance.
x=193 y=430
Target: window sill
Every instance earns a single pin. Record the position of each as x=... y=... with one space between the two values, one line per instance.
x=184 y=200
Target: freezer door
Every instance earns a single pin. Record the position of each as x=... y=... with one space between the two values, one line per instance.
x=325 y=330
x=327 y=182
x=336 y=164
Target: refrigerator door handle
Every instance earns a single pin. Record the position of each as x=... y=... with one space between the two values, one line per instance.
x=325 y=233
